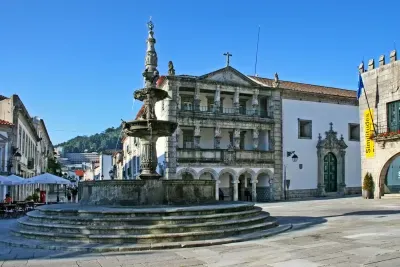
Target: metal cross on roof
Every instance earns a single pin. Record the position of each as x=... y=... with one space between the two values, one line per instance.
x=228 y=55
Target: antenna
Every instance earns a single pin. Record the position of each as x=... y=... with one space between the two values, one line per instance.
x=258 y=40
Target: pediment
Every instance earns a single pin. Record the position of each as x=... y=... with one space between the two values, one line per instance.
x=331 y=140
x=228 y=75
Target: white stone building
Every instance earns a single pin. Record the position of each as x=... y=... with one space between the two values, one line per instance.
x=230 y=128
x=321 y=125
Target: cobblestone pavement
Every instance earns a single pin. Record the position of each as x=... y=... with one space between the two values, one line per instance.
x=329 y=232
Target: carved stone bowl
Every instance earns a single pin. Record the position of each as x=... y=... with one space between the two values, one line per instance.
x=139 y=128
x=157 y=94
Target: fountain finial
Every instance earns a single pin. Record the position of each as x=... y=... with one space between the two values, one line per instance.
x=151 y=74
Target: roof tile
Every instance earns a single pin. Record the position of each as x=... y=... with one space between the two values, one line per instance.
x=3 y=122
x=307 y=88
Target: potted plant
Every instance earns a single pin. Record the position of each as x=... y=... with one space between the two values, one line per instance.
x=29 y=198
x=35 y=197
x=368 y=186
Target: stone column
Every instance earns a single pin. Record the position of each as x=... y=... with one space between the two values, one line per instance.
x=236 y=103
x=217 y=137
x=235 y=183
x=271 y=188
x=148 y=156
x=178 y=132
x=236 y=138
x=254 y=190
x=254 y=101
x=255 y=139
x=217 y=99
x=197 y=135
x=321 y=185
x=217 y=182
x=197 y=100
x=342 y=181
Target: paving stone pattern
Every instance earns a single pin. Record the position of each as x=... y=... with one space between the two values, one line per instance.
x=342 y=232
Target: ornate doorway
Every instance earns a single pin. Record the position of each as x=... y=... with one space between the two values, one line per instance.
x=331 y=153
x=330 y=172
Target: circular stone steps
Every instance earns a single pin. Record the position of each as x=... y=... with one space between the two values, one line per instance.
x=145 y=226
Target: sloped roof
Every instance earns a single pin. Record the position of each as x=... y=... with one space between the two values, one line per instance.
x=2 y=97
x=3 y=122
x=307 y=88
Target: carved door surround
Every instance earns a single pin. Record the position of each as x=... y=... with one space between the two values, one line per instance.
x=331 y=144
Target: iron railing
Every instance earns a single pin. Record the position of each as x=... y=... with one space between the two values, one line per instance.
x=229 y=111
x=385 y=130
x=206 y=155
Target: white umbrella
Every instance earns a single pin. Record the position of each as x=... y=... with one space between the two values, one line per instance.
x=16 y=179
x=47 y=178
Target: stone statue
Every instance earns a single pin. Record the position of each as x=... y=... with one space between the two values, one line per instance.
x=217 y=131
x=197 y=130
x=276 y=81
x=255 y=134
x=171 y=70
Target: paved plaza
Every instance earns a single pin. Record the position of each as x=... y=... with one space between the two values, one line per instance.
x=329 y=232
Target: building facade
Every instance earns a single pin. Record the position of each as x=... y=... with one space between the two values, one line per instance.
x=321 y=126
x=239 y=130
x=29 y=137
x=380 y=120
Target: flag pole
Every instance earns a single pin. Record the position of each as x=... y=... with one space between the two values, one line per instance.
x=365 y=93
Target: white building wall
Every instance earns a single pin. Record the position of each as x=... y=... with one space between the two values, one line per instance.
x=321 y=114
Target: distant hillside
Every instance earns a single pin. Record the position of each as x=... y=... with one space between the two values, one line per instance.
x=95 y=143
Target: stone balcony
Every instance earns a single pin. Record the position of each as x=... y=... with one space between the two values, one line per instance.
x=224 y=156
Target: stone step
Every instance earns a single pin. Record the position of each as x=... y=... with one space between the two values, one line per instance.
x=37 y=216
x=20 y=242
x=27 y=224
x=112 y=212
x=148 y=238
x=391 y=196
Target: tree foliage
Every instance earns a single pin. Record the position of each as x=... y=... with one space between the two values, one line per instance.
x=53 y=167
x=106 y=140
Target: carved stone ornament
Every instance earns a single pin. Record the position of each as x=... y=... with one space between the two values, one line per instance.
x=331 y=141
x=197 y=131
x=236 y=133
x=217 y=131
x=255 y=133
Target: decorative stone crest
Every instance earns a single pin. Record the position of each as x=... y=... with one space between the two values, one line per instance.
x=331 y=141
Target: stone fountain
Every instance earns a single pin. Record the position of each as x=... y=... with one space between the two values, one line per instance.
x=148 y=128
x=146 y=213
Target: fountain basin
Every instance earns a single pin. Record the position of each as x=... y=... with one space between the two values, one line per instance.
x=147 y=192
x=155 y=93
x=140 y=128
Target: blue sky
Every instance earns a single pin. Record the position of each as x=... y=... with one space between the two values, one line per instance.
x=76 y=63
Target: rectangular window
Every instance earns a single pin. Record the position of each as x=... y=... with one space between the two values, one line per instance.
x=242 y=107
x=188 y=136
x=210 y=104
x=393 y=116
x=242 y=136
x=187 y=102
x=354 y=132
x=305 y=129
